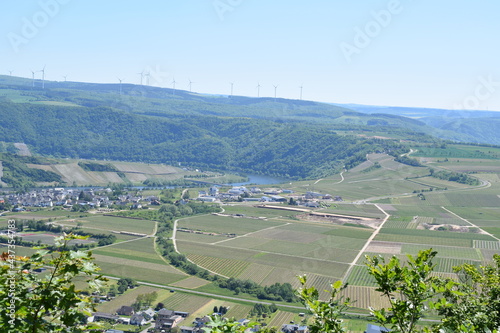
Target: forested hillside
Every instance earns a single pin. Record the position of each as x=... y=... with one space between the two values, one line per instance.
x=288 y=138
x=164 y=102
x=276 y=148
x=482 y=129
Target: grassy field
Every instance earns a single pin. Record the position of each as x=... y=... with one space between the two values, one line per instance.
x=238 y=311
x=359 y=277
x=136 y=259
x=226 y=267
x=192 y=282
x=250 y=210
x=447 y=251
x=139 y=271
x=222 y=224
x=281 y=317
x=430 y=237
x=356 y=210
x=48 y=238
x=454 y=199
x=185 y=302
x=200 y=238
x=140 y=249
x=113 y=223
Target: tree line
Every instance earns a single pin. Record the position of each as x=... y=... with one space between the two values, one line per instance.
x=451 y=176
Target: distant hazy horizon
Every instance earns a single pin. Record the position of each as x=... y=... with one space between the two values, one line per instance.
x=385 y=53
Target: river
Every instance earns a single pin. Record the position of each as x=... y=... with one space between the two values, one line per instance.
x=261 y=180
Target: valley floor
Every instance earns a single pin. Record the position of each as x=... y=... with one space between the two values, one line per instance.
x=393 y=209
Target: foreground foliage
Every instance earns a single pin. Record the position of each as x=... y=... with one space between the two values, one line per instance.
x=407 y=288
x=471 y=304
x=40 y=302
x=327 y=314
x=474 y=304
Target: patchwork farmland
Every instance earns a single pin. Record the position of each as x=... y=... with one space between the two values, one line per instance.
x=272 y=250
x=251 y=242
x=324 y=251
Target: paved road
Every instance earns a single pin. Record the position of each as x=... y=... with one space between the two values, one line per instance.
x=360 y=253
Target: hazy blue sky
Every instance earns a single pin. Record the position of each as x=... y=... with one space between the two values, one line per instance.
x=426 y=53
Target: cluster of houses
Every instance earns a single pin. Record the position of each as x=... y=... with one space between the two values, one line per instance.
x=238 y=193
x=163 y=319
x=214 y=194
x=100 y=199
x=68 y=197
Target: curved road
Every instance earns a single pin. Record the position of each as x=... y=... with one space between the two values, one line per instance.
x=340 y=181
x=174 y=242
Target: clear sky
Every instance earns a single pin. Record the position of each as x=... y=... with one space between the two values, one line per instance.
x=443 y=54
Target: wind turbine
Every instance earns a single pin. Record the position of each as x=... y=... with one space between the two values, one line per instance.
x=65 y=76
x=301 y=91
x=147 y=75
x=232 y=84
x=190 y=83
x=258 y=89
x=275 y=87
x=43 y=77
x=173 y=83
x=10 y=73
x=120 y=84
x=142 y=75
x=33 y=76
